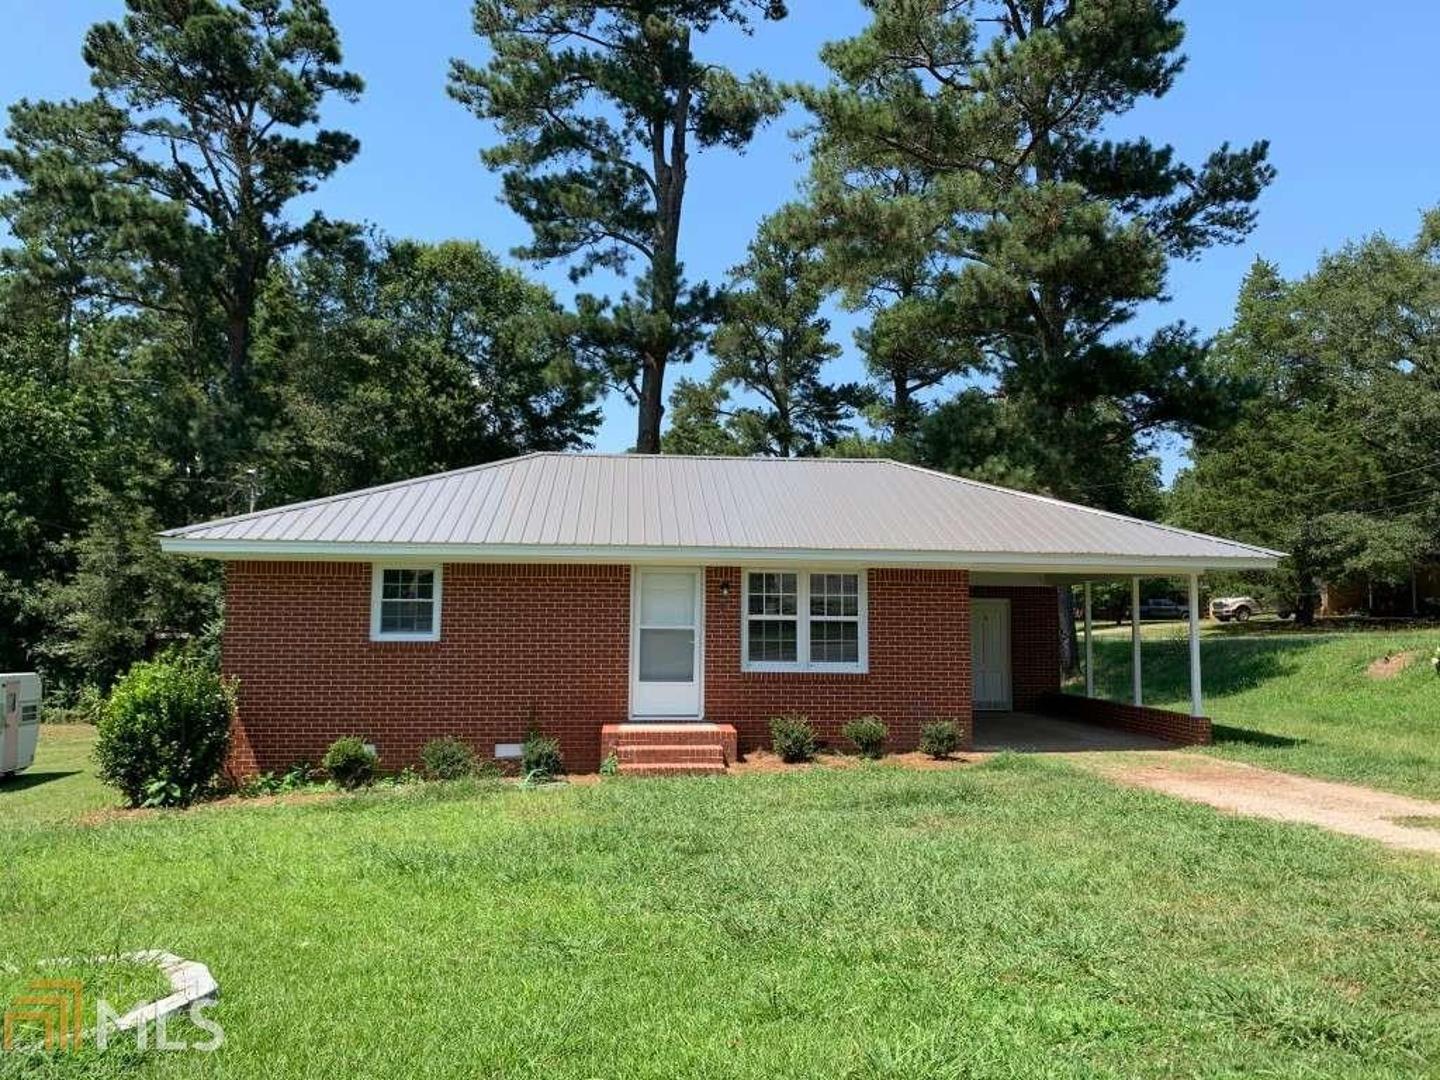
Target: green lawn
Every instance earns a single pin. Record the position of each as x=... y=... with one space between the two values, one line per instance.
x=1297 y=701
x=62 y=781
x=1014 y=919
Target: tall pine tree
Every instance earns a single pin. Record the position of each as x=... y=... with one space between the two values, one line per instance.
x=973 y=198
x=601 y=104
x=772 y=344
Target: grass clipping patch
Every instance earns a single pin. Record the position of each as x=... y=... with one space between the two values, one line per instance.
x=1388 y=666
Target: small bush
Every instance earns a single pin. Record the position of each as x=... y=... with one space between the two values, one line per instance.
x=350 y=763
x=940 y=739
x=164 y=732
x=868 y=734
x=446 y=759
x=540 y=757
x=611 y=765
x=793 y=737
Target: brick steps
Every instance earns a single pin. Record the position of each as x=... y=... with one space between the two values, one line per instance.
x=669 y=749
x=679 y=769
x=671 y=754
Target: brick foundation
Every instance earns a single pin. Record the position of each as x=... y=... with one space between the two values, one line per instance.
x=1180 y=728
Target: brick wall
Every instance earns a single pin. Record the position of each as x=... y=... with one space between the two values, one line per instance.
x=1034 y=640
x=919 y=645
x=549 y=645
x=1178 y=727
x=520 y=644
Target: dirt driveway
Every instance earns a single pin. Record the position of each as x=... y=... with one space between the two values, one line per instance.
x=1245 y=789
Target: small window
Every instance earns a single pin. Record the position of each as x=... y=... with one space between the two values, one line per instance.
x=804 y=621
x=405 y=603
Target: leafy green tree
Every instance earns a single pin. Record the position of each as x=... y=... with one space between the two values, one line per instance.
x=976 y=207
x=601 y=104
x=403 y=358
x=772 y=344
x=1335 y=458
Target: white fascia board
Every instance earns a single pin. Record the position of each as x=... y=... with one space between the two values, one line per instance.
x=1011 y=562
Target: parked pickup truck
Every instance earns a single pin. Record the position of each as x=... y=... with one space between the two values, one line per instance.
x=1160 y=608
x=1239 y=608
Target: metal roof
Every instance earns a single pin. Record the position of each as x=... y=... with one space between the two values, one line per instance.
x=630 y=506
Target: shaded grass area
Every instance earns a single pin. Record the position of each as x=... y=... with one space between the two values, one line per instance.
x=1299 y=702
x=1014 y=919
x=62 y=781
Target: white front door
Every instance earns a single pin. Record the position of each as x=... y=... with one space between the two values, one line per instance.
x=990 y=653
x=666 y=656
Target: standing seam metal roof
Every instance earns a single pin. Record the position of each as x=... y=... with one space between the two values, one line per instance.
x=550 y=500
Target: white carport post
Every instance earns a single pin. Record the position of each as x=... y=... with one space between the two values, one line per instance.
x=1089 y=648
x=1135 y=639
x=1196 y=707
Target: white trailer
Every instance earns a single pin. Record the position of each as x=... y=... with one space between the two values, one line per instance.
x=19 y=720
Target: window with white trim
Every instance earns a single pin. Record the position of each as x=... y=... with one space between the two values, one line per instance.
x=405 y=603
x=803 y=620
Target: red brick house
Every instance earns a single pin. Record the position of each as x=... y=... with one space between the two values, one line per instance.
x=664 y=606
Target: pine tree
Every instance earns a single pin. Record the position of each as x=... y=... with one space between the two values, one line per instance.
x=772 y=344
x=975 y=205
x=601 y=105
x=176 y=178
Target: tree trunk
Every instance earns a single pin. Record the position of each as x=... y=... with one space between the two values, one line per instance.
x=902 y=423
x=1069 y=639
x=237 y=341
x=670 y=179
x=652 y=406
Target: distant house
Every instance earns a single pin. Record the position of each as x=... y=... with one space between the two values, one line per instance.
x=1417 y=597
x=663 y=607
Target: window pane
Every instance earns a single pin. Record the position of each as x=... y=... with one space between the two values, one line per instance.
x=773 y=641
x=773 y=594
x=834 y=643
x=408 y=585
x=667 y=599
x=407 y=616
x=667 y=655
x=835 y=594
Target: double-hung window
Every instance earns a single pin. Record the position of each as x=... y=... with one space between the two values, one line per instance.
x=803 y=620
x=405 y=603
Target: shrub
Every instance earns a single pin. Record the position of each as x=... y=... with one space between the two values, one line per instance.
x=164 y=732
x=793 y=737
x=298 y=777
x=540 y=757
x=868 y=734
x=350 y=763
x=940 y=739
x=611 y=765
x=446 y=759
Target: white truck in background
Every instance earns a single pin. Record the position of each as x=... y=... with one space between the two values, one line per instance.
x=19 y=721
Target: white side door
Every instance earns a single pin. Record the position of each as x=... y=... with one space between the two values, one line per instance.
x=666 y=644
x=990 y=653
x=9 y=726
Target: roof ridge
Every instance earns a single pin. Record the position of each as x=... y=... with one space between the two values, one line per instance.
x=631 y=455
x=1079 y=506
x=343 y=496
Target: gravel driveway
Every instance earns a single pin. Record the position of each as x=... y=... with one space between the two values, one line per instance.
x=1245 y=789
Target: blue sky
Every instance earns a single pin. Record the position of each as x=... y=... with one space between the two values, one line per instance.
x=1345 y=92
